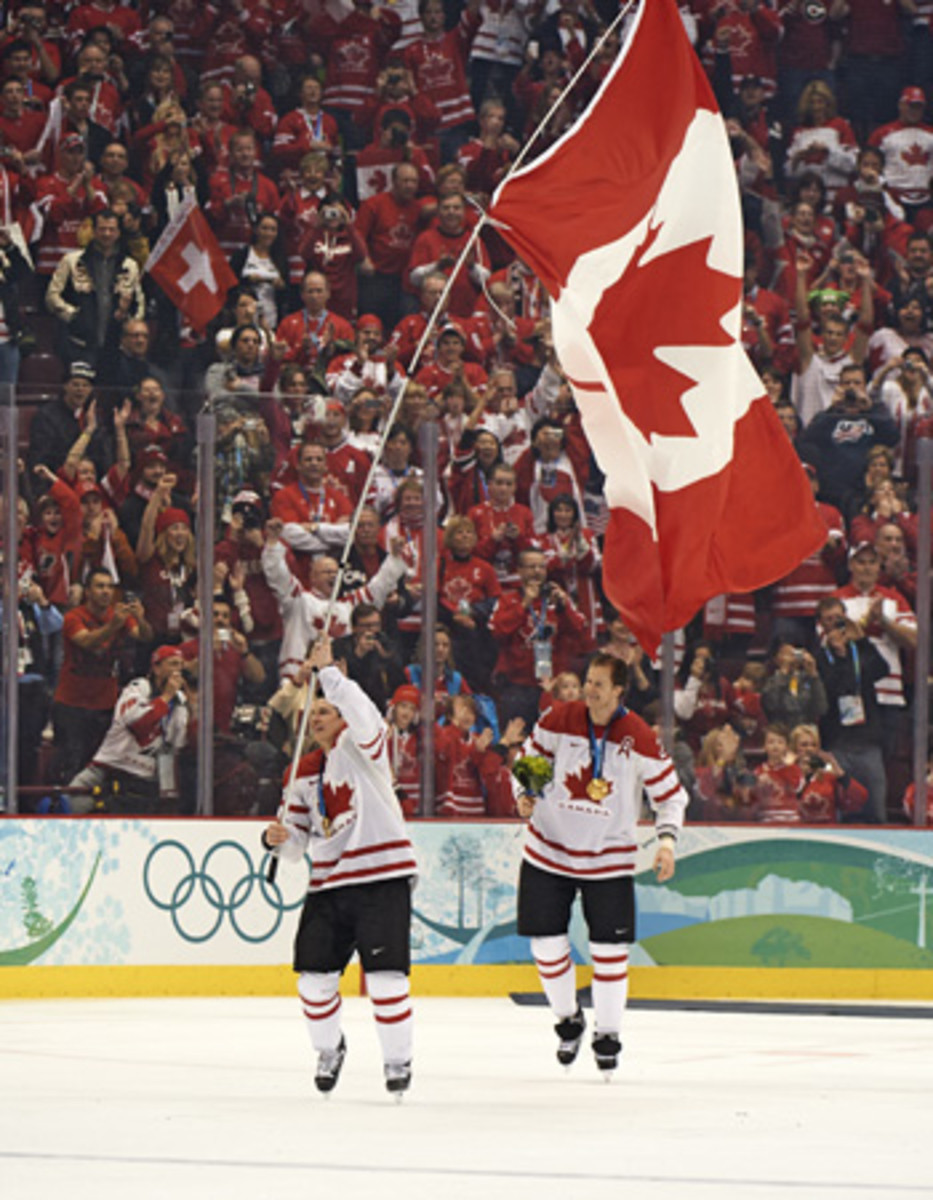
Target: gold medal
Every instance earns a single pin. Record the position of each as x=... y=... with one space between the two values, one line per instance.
x=325 y=825
x=598 y=789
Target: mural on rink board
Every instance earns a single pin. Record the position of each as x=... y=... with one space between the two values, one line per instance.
x=136 y=892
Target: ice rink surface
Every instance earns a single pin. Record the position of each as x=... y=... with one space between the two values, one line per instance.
x=213 y=1098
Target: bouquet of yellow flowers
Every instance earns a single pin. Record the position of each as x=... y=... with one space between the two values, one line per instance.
x=534 y=772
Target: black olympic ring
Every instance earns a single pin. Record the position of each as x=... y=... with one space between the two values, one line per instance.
x=213 y=893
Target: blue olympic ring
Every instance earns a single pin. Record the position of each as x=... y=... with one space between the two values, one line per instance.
x=213 y=893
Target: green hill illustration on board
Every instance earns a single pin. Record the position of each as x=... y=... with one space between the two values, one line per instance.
x=790 y=902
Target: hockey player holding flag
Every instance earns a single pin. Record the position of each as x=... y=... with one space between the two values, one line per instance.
x=343 y=804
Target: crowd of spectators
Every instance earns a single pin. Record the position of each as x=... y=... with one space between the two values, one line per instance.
x=342 y=156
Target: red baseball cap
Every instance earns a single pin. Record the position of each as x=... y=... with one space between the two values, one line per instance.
x=164 y=652
x=913 y=95
x=407 y=693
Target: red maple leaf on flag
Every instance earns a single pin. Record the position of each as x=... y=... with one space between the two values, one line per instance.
x=915 y=155
x=650 y=390
x=337 y=799
x=577 y=782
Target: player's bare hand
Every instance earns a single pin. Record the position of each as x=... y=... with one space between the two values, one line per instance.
x=275 y=834
x=664 y=863
x=525 y=805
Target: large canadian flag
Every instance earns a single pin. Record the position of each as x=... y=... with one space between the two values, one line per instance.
x=189 y=266
x=632 y=222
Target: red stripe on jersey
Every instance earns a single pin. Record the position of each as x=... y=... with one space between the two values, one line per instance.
x=372 y=741
x=385 y=869
x=581 y=853
x=673 y=792
x=657 y=778
x=621 y=869
x=403 y=844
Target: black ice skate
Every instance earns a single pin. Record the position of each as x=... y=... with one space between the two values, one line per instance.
x=606 y=1049
x=329 y=1063
x=570 y=1031
x=398 y=1078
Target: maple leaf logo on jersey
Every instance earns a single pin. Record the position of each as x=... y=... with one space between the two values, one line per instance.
x=915 y=155
x=576 y=785
x=457 y=589
x=337 y=799
x=651 y=394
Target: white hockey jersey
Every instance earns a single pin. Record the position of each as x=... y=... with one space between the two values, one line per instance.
x=570 y=832
x=343 y=804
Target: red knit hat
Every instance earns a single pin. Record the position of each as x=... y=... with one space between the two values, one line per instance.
x=164 y=652
x=171 y=516
x=407 y=693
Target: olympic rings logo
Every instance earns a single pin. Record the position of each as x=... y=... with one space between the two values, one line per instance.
x=198 y=890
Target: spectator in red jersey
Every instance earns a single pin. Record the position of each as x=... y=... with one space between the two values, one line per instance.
x=487 y=157
x=407 y=334
x=313 y=510
x=303 y=196
x=235 y=29
x=396 y=91
x=504 y=527
x=334 y=248
x=748 y=31
x=573 y=562
x=65 y=200
x=57 y=540
x=213 y=132
x=355 y=48
x=896 y=568
x=103 y=542
x=238 y=571
x=438 y=60
x=467 y=591
x=723 y=781
x=314 y=333
x=239 y=193
x=235 y=665
x=247 y=104
x=30 y=24
x=808 y=51
x=388 y=223
x=347 y=465
x=20 y=127
x=448 y=365
x=778 y=781
x=439 y=250
x=404 y=747
x=537 y=627
x=306 y=128
x=87 y=687
x=16 y=59
x=166 y=553
x=828 y=793
x=767 y=332
x=468 y=769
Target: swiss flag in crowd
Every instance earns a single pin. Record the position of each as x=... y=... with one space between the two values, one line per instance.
x=189 y=266
x=632 y=222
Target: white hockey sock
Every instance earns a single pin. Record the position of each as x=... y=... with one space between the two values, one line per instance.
x=556 y=972
x=320 y=1002
x=610 y=984
x=388 y=991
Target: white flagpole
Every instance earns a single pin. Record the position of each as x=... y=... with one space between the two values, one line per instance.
x=412 y=368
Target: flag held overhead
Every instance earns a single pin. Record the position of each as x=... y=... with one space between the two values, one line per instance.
x=632 y=222
x=189 y=266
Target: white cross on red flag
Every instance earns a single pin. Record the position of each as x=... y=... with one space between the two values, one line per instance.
x=632 y=222
x=189 y=266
